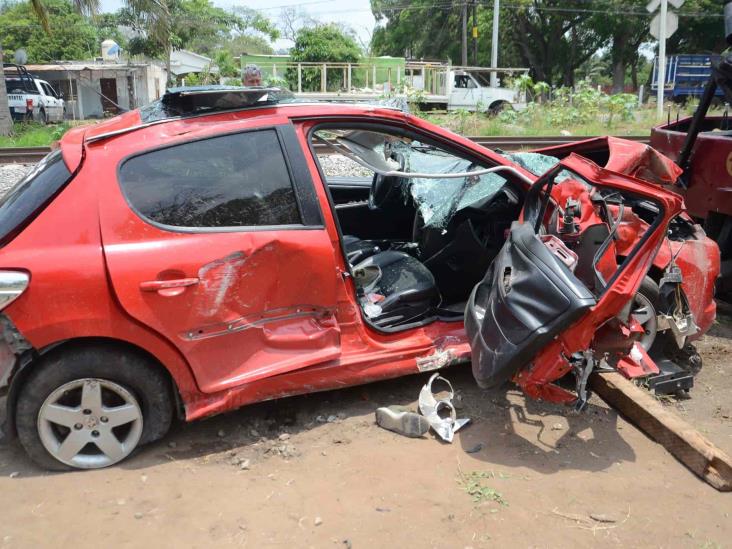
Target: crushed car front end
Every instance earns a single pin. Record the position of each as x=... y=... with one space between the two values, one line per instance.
x=608 y=273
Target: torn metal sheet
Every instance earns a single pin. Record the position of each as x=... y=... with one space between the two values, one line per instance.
x=435 y=361
x=434 y=410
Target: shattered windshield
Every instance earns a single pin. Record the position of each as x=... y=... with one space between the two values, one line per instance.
x=437 y=199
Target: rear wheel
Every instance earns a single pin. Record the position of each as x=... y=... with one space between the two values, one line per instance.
x=43 y=117
x=496 y=108
x=89 y=408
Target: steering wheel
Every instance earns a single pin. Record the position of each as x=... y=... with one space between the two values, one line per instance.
x=383 y=188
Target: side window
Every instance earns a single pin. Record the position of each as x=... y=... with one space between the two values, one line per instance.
x=239 y=180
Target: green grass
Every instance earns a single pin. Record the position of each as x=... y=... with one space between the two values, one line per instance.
x=33 y=135
x=475 y=484
x=540 y=124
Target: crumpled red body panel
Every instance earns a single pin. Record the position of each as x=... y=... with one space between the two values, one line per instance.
x=641 y=161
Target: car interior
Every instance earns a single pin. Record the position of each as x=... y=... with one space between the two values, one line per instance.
x=416 y=245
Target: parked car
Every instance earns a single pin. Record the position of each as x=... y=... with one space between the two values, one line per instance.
x=201 y=253
x=32 y=99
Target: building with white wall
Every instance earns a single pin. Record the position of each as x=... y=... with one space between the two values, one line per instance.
x=95 y=89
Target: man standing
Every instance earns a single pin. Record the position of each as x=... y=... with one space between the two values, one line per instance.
x=252 y=76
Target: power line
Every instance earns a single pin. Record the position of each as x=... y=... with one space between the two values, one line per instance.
x=446 y=5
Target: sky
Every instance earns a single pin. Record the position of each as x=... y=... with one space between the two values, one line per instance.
x=353 y=13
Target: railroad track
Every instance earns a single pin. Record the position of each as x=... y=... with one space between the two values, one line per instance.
x=23 y=155
x=511 y=143
x=29 y=155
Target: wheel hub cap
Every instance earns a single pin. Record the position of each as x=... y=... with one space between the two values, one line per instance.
x=90 y=423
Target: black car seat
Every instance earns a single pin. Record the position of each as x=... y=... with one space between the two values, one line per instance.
x=357 y=250
x=394 y=289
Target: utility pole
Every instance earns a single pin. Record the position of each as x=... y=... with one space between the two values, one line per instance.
x=464 y=49
x=475 y=32
x=663 y=25
x=494 y=43
x=661 y=83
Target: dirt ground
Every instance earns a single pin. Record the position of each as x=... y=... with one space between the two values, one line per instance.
x=315 y=471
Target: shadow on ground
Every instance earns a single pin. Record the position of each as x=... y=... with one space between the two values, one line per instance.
x=511 y=430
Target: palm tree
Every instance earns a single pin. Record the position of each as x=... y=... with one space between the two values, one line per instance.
x=87 y=7
x=154 y=13
x=155 y=18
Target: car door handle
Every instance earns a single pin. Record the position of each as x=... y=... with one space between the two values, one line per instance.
x=168 y=287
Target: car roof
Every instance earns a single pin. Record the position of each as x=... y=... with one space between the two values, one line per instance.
x=73 y=142
x=133 y=120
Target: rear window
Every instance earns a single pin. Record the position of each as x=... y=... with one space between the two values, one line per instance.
x=30 y=195
x=239 y=180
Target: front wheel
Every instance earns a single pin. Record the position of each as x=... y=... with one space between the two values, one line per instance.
x=645 y=313
x=660 y=344
x=89 y=408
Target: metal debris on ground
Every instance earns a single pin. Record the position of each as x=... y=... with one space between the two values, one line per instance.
x=437 y=413
x=402 y=420
x=434 y=410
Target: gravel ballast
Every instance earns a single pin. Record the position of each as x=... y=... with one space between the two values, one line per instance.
x=10 y=174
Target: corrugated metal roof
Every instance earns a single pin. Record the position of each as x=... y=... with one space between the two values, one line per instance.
x=84 y=67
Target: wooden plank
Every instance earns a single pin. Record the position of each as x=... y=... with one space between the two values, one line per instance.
x=682 y=440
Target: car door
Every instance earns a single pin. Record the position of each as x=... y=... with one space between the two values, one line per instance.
x=218 y=244
x=463 y=93
x=56 y=101
x=531 y=312
x=49 y=102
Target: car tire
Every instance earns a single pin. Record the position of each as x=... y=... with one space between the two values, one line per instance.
x=43 y=117
x=131 y=388
x=497 y=108
x=662 y=344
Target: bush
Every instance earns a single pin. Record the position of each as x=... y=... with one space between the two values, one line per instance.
x=321 y=44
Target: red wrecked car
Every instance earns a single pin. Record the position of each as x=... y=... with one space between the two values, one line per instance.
x=207 y=251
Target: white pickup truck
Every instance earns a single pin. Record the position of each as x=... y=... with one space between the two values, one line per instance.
x=471 y=91
x=30 y=98
x=456 y=89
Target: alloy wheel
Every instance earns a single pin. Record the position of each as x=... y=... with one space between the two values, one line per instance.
x=90 y=423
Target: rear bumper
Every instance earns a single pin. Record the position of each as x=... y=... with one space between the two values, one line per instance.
x=22 y=115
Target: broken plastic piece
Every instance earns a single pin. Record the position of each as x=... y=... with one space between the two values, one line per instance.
x=434 y=410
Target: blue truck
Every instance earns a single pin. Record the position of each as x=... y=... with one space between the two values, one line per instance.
x=686 y=76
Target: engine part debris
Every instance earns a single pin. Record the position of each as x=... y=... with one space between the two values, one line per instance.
x=402 y=421
x=434 y=410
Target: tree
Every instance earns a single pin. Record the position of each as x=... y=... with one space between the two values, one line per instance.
x=549 y=36
x=73 y=36
x=164 y=25
x=292 y=20
x=322 y=43
x=417 y=29
x=39 y=8
x=699 y=34
x=246 y=43
x=623 y=35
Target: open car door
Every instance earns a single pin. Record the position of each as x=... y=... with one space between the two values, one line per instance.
x=558 y=296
